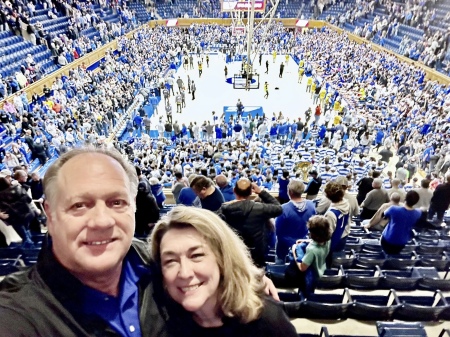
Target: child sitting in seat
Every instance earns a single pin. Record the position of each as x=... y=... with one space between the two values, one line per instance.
x=308 y=260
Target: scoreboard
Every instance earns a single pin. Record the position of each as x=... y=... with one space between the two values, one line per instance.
x=243 y=5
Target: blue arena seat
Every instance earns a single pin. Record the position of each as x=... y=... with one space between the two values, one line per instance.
x=344 y=259
x=400 y=279
x=325 y=306
x=401 y=261
x=421 y=308
x=397 y=329
x=6 y=268
x=10 y=253
x=372 y=307
x=440 y=262
x=430 y=279
x=331 y=279
x=369 y=261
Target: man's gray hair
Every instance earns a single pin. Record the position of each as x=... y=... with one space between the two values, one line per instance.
x=377 y=183
x=50 y=178
x=395 y=198
x=396 y=182
x=296 y=188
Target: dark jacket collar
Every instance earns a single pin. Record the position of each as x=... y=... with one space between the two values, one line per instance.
x=66 y=287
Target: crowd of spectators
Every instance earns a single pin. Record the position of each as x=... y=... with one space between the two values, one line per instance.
x=430 y=50
x=360 y=108
x=67 y=46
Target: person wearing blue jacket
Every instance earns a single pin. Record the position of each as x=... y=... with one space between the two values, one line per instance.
x=283 y=131
x=273 y=131
x=291 y=224
x=225 y=187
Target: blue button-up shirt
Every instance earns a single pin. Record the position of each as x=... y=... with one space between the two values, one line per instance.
x=122 y=312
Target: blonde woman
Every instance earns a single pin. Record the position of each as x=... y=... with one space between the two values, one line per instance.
x=212 y=286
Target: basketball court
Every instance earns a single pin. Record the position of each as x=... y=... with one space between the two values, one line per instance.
x=215 y=92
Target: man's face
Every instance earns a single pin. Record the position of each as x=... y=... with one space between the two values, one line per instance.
x=201 y=193
x=91 y=218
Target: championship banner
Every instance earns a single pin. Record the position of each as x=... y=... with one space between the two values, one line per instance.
x=243 y=5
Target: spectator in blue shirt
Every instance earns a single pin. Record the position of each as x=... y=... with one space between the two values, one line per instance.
x=402 y=219
x=225 y=187
x=291 y=224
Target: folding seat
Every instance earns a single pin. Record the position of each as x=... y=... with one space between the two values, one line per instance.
x=344 y=259
x=369 y=261
x=6 y=268
x=421 y=308
x=276 y=274
x=421 y=232
x=440 y=262
x=30 y=256
x=324 y=306
x=10 y=253
x=354 y=243
x=396 y=329
x=358 y=231
x=433 y=247
x=372 y=307
x=331 y=279
x=430 y=279
x=371 y=246
x=362 y=278
x=400 y=279
x=401 y=261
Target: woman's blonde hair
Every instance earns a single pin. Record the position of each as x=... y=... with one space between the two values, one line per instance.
x=240 y=287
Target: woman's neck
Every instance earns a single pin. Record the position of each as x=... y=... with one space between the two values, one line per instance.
x=210 y=319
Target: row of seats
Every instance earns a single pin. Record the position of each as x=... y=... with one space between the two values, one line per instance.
x=53 y=22
x=419 y=245
x=58 y=27
x=38 y=18
x=9 y=39
x=384 y=305
x=386 y=329
x=412 y=278
x=16 y=47
x=351 y=259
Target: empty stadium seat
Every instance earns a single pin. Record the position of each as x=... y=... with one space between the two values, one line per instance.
x=430 y=279
x=421 y=308
x=362 y=279
x=396 y=329
x=372 y=307
x=401 y=261
x=331 y=279
x=400 y=279
x=325 y=306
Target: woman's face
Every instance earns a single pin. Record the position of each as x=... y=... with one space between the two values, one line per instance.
x=190 y=270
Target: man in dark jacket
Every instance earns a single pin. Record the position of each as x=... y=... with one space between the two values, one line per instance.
x=39 y=151
x=440 y=201
x=250 y=218
x=78 y=279
x=365 y=186
x=314 y=185
x=147 y=210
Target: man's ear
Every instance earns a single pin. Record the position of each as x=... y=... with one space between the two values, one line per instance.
x=49 y=214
